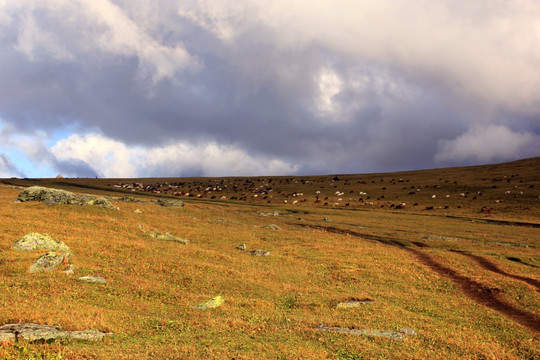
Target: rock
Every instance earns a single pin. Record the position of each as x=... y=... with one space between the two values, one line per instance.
x=6 y=336
x=70 y=270
x=275 y=213
x=36 y=241
x=170 y=203
x=137 y=211
x=242 y=247
x=408 y=331
x=93 y=279
x=129 y=199
x=168 y=237
x=47 y=333
x=353 y=303
x=49 y=262
x=59 y=176
x=393 y=335
x=57 y=196
x=259 y=252
x=210 y=304
x=271 y=226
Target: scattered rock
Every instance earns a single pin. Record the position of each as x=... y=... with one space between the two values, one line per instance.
x=354 y=303
x=259 y=252
x=445 y=238
x=137 y=211
x=36 y=241
x=408 y=331
x=210 y=304
x=170 y=203
x=326 y=219
x=57 y=196
x=70 y=269
x=129 y=199
x=271 y=226
x=242 y=247
x=168 y=237
x=93 y=279
x=275 y=213
x=49 y=262
x=393 y=335
x=46 y=333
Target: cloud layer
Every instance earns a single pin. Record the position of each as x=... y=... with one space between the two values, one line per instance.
x=163 y=88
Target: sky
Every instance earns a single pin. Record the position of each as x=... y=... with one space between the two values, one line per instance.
x=163 y=88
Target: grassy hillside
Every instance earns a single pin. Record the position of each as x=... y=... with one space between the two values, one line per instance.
x=467 y=282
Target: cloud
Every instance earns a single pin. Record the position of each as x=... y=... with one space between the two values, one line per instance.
x=317 y=87
x=7 y=168
x=113 y=159
x=487 y=144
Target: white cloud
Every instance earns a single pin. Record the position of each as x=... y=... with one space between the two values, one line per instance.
x=75 y=30
x=488 y=143
x=113 y=159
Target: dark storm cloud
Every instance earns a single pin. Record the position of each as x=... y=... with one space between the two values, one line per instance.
x=324 y=88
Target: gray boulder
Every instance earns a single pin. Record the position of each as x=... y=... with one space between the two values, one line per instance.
x=170 y=203
x=36 y=241
x=57 y=196
x=46 y=333
x=93 y=279
x=49 y=262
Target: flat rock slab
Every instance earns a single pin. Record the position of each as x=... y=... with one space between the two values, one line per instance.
x=57 y=196
x=47 y=333
x=93 y=279
x=168 y=237
x=170 y=203
x=392 y=335
x=6 y=336
x=354 y=303
x=259 y=252
x=36 y=241
x=49 y=262
x=210 y=304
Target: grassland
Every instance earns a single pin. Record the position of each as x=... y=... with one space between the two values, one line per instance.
x=468 y=282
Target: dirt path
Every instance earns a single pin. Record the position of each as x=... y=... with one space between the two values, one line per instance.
x=476 y=291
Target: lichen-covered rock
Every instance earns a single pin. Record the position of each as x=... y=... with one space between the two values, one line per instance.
x=93 y=279
x=271 y=226
x=210 y=304
x=57 y=196
x=353 y=303
x=46 y=333
x=242 y=247
x=6 y=336
x=259 y=252
x=49 y=262
x=170 y=203
x=36 y=241
x=168 y=237
x=393 y=335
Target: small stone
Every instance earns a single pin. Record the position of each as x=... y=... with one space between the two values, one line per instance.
x=408 y=331
x=353 y=303
x=168 y=237
x=93 y=279
x=393 y=335
x=259 y=252
x=210 y=304
x=70 y=270
x=137 y=211
x=242 y=247
x=271 y=226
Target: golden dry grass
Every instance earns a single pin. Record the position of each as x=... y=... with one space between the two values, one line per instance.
x=320 y=256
